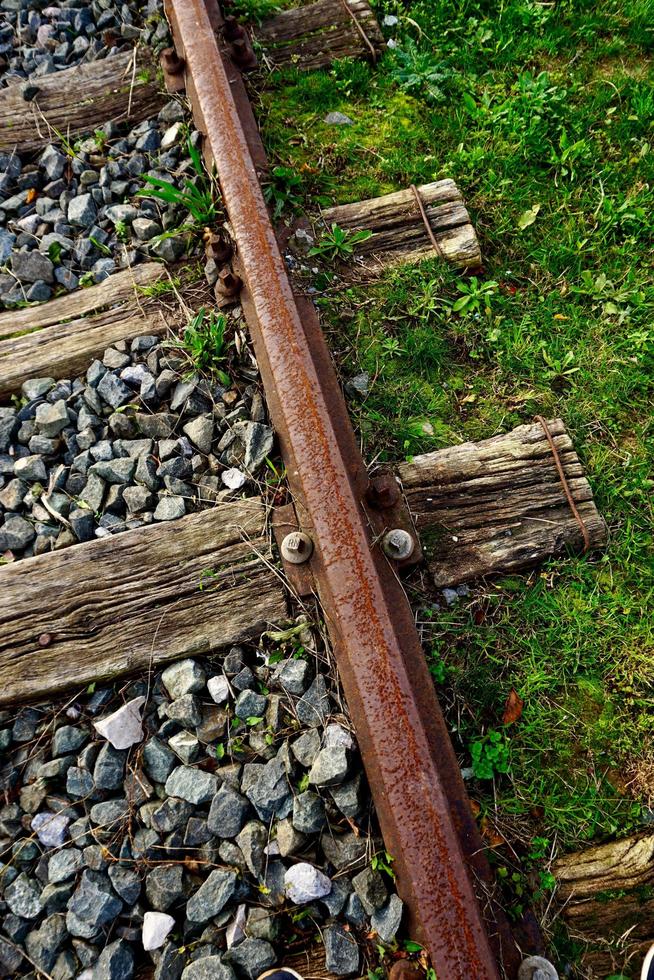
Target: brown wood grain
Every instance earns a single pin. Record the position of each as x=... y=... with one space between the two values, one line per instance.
x=122 y=603
x=497 y=505
x=314 y=35
x=78 y=100
x=399 y=233
x=606 y=900
x=60 y=347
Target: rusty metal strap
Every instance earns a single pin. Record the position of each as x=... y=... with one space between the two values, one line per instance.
x=425 y=218
x=564 y=482
x=357 y=24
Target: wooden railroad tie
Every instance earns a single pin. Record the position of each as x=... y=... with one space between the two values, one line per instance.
x=77 y=100
x=606 y=897
x=498 y=506
x=319 y=33
x=60 y=338
x=126 y=603
x=399 y=231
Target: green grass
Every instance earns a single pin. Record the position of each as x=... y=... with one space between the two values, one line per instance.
x=544 y=116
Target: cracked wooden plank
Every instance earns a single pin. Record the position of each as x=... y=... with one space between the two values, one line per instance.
x=498 y=506
x=606 y=894
x=125 y=603
x=315 y=35
x=60 y=347
x=399 y=233
x=79 y=100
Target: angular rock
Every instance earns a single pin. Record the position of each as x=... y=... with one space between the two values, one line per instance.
x=123 y=728
x=116 y=962
x=93 y=905
x=51 y=828
x=32 y=267
x=289 y=840
x=185 y=746
x=306 y=747
x=16 y=534
x=82 y=211
x=109 y=770
x=252 y=842
x=200 y=431
x=314 y=706
x=386 y=920
x=228 y=812
x=270 y=792
x=171 y=815
x=308 y=813
x=371 y=889
x=185 y=711
x=208 y=968
x=249 y=704
x=125 y=882
x=343 y=850
x=341 y=951
x=330 y=768
x=158 y=760
x=211 y=897
x=291 y=675
x=192 y=785
x=156 y=927
x=219 y=688
x=183 y=677
x=23 y=896
x=304 y=883
x=164 y=886
x=52 y=418
x=64 y=865
x=170 y=508
x=335 y=736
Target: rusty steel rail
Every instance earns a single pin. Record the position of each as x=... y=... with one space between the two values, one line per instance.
x=415 y=780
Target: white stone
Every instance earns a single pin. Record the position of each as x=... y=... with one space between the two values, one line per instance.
x=219 y=688
x=51 y=828
x=156 y=926
x=123 y=728
x=183 y=677
x=235 y=931
x=303 y=883
x=171 y=136
x=233 y=478
x=337 y=737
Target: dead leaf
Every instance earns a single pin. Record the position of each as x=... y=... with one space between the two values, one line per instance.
x=491 y=834
x=475 y=808
x=32 y=195
x=512 y=708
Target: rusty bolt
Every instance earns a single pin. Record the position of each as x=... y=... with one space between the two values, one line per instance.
x=241 y=53
x=229 y=284
x=382 y=492
x=398 y=544
x=297 y=547
x=218 y=249
x=171 y=61
x=45 y=639
x=232 y=29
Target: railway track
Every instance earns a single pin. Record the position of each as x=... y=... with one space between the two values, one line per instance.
x=345 y=533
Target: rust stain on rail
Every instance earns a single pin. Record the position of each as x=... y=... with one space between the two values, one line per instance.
x=413 y=803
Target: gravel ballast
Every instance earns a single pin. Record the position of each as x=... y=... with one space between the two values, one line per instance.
x=73 y=215
x=40 y=38
x=183 y=850
x=121 y=447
